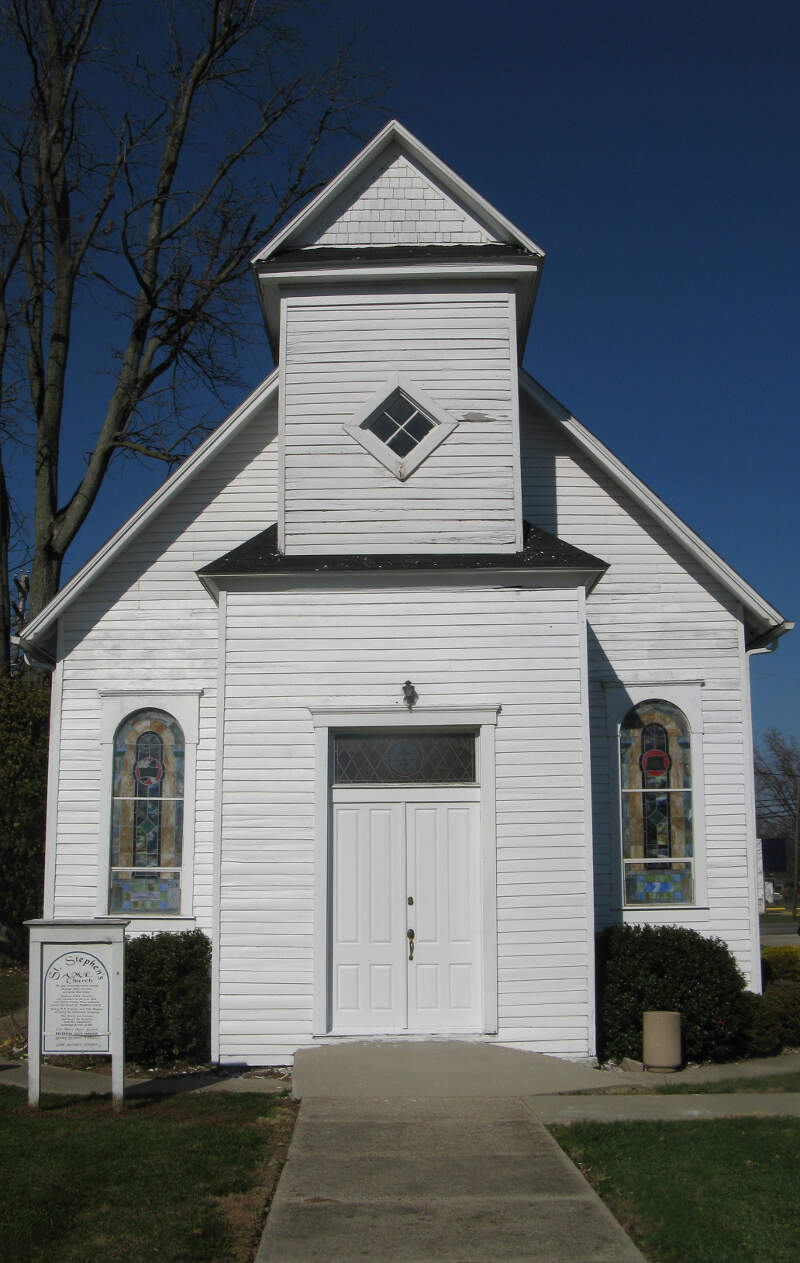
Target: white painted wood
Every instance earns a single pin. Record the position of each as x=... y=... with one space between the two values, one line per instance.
x=661 y=623
x=395 y=203
x=442 y=862
x=216 y=847
x=397 y=137
x=387 y=852
x=764 y=614
x=209 y=449
x=586 y=757
x=342 y=654
x=453 y=350
x=368 y=966
x=53 y=768
x=752 y=847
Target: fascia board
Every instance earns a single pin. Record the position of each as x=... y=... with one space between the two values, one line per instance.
x=753 y=602
x=157 y=501
x=394 y=131
x=547 y=577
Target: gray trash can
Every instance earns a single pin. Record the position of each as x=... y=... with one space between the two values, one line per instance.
x=661 y=1040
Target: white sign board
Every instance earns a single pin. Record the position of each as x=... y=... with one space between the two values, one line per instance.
x=76 y=988
x=76 y=999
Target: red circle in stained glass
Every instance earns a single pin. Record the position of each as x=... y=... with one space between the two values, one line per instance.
x=655 y=763
x=148 y=772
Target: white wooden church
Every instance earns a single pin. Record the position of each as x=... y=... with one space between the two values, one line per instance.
x=403 y=685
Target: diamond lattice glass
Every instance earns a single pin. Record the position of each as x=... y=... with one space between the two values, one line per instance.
x=392 y=758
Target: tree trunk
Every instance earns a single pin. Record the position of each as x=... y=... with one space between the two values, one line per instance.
x=5 y=598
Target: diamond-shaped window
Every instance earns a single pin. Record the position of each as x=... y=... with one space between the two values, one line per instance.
x=401 y=426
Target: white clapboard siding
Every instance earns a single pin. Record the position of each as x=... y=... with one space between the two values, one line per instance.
x=459 y=348
x=147 y=623
x=656 y=614
x=307 y=649
x=395 y=203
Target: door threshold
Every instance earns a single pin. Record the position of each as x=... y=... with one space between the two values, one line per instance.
x=472 y=1033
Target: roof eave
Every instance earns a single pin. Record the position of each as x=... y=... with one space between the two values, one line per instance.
x=36 y=631
x=765 y=616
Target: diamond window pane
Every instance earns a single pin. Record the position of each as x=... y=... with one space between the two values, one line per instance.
x=400 y=409
x=418 y=427
x=391 y=758
x=402 y=443
x=383 y=427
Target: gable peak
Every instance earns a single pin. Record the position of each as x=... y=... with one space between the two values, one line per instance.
x=397 y=193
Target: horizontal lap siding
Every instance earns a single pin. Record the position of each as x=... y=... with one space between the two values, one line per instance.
x=288 y=652
x=460 y=350
x=656 y=611
x=148 y=623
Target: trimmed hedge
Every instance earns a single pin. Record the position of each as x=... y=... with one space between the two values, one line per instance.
x=168 y=998
x=772 y=1020
x=672 y=968
x=780 y=963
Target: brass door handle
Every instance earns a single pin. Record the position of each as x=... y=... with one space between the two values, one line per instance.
x=410 y=937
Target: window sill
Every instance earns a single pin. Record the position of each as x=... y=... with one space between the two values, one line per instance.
x=149 y=920
x=701 y=911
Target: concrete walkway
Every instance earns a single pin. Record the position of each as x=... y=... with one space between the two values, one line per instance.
x=457 y=1179
x=437 y=1150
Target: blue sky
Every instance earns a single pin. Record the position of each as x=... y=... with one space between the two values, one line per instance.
x=652 y=151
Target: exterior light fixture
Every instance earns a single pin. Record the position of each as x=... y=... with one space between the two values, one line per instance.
x=410 y=695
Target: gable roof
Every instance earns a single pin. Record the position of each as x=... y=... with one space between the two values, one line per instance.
x=347 y=185
x=767 y=622
x=36 y=631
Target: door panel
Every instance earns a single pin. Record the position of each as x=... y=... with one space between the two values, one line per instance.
x=384 y=853
x=368 y=975
x=442 y=857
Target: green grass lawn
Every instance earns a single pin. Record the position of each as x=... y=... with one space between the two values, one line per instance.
x=697 y=1192
x=183 y=1178
x=13 y=986
x=789 y=1082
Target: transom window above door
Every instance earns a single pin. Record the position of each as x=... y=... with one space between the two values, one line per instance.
x=402 y=758
x=400 y=425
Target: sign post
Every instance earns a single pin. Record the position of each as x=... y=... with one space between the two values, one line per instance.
x=76 y=995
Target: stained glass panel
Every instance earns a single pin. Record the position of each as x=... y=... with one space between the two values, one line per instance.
x=655 y=748
x=656 y=806
x=658 y=883
x=136 y=892
x=147 y=812
x=399 y=758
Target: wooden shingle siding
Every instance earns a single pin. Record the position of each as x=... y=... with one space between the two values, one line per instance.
x=148 y=623
x=290 y=651
x=655 y=613
x=394 y=203
x=460 y=349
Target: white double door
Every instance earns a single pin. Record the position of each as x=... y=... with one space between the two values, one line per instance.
x=405 y=912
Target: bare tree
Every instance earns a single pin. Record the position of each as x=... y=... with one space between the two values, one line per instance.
x=142 y=182
x=777 y=768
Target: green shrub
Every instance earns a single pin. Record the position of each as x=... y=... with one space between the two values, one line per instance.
x=168 y=998
x=24 y=726
x=761 y=1034
x=667 y=967
x=772 y=1020
x=779 y=963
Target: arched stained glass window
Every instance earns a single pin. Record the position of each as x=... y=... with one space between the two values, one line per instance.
x=655 y=755
x=147 y=814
